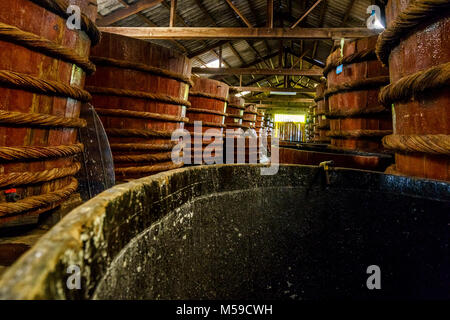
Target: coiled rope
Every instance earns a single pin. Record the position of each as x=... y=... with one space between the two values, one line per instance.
x=59 y=7
x=37 y=153
x=23 y=178
x=207 y=96
x=364 y=84
x=39 y=119
x=148 y=169
x=438 y=144
x=138 y=94
x=207 y=111
x=23 y=81
x=42 y=45
x=35 y=202
x=419 y=13
x=141 y=146
x=102 y=61
x=138 y=133
x=159 y=157
x=356 y=57
x=138 y=114
x=416 y=85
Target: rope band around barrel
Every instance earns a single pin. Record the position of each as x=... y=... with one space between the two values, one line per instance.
x=60 y=7
x=416 y=85
x=207 y=96
x=158 y=97
x=42 y=45
x=158 y=157
x=207 y=111
x=418 y=14
x=356 y=113
x=141 y=146
x=36 y=202
x=356 y=57
x=209 y=124
x=148 y=169
x=23 y=81
x=235 y=106
x=438 y=144
x=250 y=112
x=138 y=133
x=39 y=119
x=235 y=116
x=359 y=133
x=365 y=84
x=25 y=178
x=38 y=153
x=123 y=64
x=138 y=114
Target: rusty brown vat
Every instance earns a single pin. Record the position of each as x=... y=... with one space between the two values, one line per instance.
x=417 y=49
x=249 y=120
x=140 y=91
x=323 y=123
x=208 y=100
x=235 y=112
x=42 y=72
x=314 y=155
x=357 y=120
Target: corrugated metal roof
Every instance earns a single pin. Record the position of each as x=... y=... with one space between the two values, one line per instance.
x=220 y=14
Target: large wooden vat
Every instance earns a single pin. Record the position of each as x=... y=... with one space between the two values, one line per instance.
x=140 y=91
x=208 y=100
x=235 y=112
x=323 y=123
x=227 y=232
x=249 y=120
x=42 y=71
x=357 y=120
x=416 y=46
x=314 y=154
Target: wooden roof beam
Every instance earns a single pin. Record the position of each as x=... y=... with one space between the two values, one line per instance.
x=239 y=13
x=196 y=33
x=306 y=14
x=271 y=89
x=248 y=71
x=123 y=13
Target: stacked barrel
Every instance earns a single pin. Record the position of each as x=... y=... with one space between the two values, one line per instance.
x=140 y=92
x=249 y=120
x=233 y=121
x=358 y=121
x=322 y=127
x=42 y=71
x=416 y=47
x=208 y=99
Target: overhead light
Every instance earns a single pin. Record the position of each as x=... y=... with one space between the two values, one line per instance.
x=283 y=93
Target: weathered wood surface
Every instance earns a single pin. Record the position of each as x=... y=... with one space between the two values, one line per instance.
x=32 y=18
x=137 y=51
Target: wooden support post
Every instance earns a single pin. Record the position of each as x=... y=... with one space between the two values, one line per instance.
x=269 y=23
x=173 y=8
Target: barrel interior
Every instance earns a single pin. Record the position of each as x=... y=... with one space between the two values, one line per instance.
x=227 y=232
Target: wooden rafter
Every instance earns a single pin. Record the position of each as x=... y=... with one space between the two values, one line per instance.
x=123 y=13
x=239 y=13
x=306 y=14
x=269 y=89
x=248 y=71
x=196 y=33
